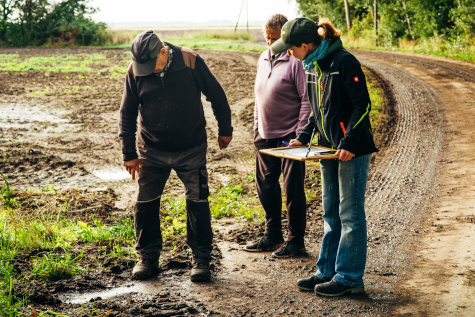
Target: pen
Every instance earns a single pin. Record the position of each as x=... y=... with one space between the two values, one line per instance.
x=310 y=143
x=285 y=143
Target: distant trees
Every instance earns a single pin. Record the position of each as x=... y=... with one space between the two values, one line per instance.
x=399 y=19
x=39 y=22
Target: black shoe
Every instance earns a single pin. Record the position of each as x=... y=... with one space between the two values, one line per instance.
x=264 y=244
x=333 y=288
x=289 y=249
x=143 y=269
x=308 y=284
x=200 y=272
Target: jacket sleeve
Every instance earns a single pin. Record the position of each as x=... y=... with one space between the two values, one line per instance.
x=214 y=93
x=306 y=134
x=301 y=85
x=256 y=110
x=353 y=83
x=128 y=118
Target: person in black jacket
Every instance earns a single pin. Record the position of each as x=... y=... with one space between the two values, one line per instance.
x=340 y=105
x=163 y=87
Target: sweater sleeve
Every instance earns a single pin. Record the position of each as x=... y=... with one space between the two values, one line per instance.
x=353 y=82
x=128 y=118
x=301 y=85
x=214 y=93
x=306 y=134
x=256 y=110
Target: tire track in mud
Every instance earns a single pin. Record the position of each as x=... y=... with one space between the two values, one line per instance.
x=401 y=181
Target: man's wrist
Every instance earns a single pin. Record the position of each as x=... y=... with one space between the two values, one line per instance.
x=129 y=156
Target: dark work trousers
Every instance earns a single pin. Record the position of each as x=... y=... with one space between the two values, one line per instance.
x=268 y=170
x=155 y=168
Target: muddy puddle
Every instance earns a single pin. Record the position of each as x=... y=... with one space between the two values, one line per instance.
x=111 y=174
x=19 y=115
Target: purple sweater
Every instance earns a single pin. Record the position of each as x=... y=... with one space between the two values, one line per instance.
x=282 y=105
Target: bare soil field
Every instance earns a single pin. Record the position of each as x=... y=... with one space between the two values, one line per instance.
x=59 y=129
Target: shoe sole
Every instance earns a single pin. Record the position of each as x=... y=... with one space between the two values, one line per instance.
x=141 y=276
x=200 y=278
x=301 y=251
x=145 y=276
x=268 y=249
x=355 y=290
x=306 y=289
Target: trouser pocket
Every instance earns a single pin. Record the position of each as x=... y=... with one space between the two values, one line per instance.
x=203 y=183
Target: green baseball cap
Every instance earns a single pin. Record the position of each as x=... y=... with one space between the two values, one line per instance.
x=145 y=49
x=295 y=33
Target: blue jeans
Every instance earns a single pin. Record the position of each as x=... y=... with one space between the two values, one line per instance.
x=343 y=252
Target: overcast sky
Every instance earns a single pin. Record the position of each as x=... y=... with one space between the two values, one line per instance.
x=189 y=10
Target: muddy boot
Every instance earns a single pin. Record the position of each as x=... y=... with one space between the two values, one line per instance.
x=143 y=269
x=200 y=272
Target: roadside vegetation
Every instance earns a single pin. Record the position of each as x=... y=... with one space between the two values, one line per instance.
x=440 y=27
x=50 y=23
x=211 y=40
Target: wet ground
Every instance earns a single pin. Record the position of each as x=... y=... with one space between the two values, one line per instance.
x=420 y=196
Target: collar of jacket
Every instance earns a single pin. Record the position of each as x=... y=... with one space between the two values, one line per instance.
x=283 y=56
x=334 y=47
x=178 y=62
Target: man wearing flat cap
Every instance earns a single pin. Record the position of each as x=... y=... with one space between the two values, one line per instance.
x=163 y=87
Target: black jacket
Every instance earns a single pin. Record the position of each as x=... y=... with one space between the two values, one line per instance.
x=338 y=96
x=170 y=112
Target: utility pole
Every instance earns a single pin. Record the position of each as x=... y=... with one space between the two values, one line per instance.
x=247 y=13
x=348 y=14
x=239 y=16
x=375 y=16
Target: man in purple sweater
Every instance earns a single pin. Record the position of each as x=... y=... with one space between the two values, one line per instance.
x=281 y=111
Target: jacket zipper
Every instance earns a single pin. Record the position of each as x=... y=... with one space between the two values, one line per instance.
x=319 y=78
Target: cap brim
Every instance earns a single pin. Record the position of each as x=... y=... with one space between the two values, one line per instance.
x=144 y=69
x=279 y=46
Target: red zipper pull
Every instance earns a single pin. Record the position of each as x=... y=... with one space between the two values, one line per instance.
x=343 y=127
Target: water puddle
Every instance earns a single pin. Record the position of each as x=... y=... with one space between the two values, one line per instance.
x=21 y=115
x=86 y=297
x=111 y=174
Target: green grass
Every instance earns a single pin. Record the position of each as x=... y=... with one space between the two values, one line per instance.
x=208 y=44
x=377 y=101
x=10 y=302
x=85 y=63
x=52 y=267
x=440 y=46
x=469 y=57
x=231 y=201
x=120 y=231
x=228 y=201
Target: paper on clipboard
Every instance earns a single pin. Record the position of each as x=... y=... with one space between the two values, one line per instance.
x=302 y=151
x=299 y=152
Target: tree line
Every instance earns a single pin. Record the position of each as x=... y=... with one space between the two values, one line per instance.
x=453 y=20
x=41 y=22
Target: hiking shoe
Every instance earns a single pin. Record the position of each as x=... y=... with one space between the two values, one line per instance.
x=333 y=288
x=264 y=244
x=200 y=272
x=143 y=269
x=289 y=249
x=308 y=284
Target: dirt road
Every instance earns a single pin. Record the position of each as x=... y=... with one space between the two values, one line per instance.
x=436 y=181
x=420 y=198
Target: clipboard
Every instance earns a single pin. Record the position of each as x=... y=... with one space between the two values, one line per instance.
x=298 y=153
